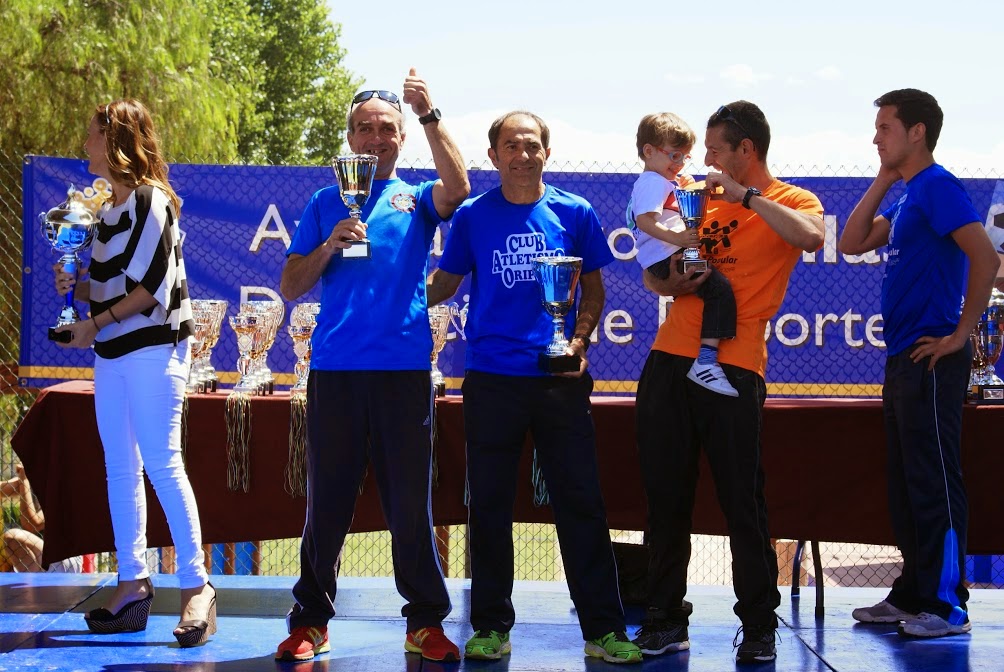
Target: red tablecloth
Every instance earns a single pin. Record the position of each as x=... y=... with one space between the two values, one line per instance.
x=824 y=461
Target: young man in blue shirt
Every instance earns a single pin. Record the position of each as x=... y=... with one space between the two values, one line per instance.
x=940 y=270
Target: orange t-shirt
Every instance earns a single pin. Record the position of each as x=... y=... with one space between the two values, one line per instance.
x=758 y=263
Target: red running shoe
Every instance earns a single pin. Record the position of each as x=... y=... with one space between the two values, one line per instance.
x=433 y=644
x=304 y=643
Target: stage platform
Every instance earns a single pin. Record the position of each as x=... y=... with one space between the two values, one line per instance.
x=42 y=628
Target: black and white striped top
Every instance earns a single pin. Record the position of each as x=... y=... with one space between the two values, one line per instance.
x=139 y=243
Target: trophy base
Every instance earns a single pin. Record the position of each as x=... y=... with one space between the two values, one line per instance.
x=558 y=363
x=699 y=265
x=440 y=389
x=359 y=249
x=987 y=394
x=60 y=337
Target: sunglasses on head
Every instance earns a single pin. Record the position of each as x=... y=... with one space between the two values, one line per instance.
x=724 y=114
x=387 y=96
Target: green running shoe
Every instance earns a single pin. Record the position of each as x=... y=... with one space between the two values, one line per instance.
x=487 y=645
x=614 y=647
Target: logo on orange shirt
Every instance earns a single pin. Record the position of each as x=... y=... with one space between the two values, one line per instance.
x=715 y=236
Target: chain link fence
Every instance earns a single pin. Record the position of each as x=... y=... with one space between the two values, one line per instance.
x=537 y=554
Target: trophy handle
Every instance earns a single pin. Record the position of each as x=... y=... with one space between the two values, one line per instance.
x=457 y=319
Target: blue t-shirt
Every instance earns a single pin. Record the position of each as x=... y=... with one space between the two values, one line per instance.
x=374 y=314
x=496 y=241
x=925 y=277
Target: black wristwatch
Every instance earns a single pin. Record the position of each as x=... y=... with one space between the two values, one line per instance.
x=750 y=193
x=434 y=115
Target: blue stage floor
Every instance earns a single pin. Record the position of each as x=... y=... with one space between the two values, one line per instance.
x=42 y=628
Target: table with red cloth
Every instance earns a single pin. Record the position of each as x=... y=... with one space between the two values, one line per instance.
x=824 y=461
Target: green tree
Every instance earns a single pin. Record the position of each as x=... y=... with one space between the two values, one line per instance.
x=63 y=57
x=305 y=87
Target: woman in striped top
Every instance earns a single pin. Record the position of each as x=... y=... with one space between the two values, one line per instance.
x=141 y=318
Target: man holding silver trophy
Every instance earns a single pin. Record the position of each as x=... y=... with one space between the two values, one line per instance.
x=930 y=305
x=527 y=244
x=759 y=227
x=369 y=394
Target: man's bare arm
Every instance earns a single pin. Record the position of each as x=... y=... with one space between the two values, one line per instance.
x=440 y=286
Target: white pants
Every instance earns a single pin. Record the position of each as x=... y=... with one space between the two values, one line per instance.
x=138 y=399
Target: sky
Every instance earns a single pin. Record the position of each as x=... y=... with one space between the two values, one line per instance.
x=592 y=70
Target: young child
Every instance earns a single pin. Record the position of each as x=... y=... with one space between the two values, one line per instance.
x=664 y=143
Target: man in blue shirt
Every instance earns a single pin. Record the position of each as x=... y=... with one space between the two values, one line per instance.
x=930 y=306
x=495 y=237
x=369 y=394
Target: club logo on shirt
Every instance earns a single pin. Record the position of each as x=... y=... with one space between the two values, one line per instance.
x=515 y=262
x=714 y=235
x=403 y=202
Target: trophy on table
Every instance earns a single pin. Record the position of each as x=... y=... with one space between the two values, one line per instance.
x=693 y=204
x=69 y=227
x=987 y=339
x=557 y=278
x=355 y=173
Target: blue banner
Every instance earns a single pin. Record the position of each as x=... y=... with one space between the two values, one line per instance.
x=826 y=339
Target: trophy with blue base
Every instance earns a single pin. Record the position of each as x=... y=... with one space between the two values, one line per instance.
x=987 y=339
x=69 y=227
x=355 y=173
x=693 y=205
x=557 y=278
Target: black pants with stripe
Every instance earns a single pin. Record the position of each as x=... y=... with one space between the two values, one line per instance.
x=498 y=412
x=676 y=419
x=384 y=417
x=927 y=497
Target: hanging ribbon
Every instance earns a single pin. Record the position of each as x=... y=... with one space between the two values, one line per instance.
x=540 y=494
x=239 y=441
x=435 y=440
x=296 y=465
x=184 y=431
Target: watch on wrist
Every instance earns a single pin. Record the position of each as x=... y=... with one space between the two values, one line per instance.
x=750 y=193
x=433 y=115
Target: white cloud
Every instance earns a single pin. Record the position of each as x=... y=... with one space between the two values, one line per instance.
x=827 y=152
x=743 y=75
x=685 y=78
x=824 y=152
x=829 y=74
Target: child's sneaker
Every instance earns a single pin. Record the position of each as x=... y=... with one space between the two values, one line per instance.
x=712 y=377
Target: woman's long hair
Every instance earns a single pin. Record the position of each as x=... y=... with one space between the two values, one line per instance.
x=133 y=148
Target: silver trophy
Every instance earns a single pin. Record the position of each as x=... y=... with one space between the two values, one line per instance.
x=69 y=227
x=440 y=319
x=987 y=339
x=355 y=173
x=557 y=278
x=693 y=204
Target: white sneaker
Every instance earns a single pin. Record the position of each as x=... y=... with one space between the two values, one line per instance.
x=712 y=377
x=883 y=612
x=930 y=625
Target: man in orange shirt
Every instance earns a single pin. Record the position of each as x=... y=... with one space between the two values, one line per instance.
x=754 y=233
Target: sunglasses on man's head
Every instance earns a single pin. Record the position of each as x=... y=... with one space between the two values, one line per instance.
x=724 y=114
x=387 y=96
